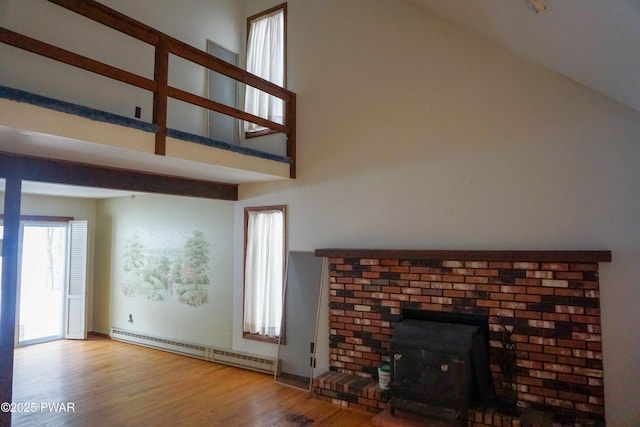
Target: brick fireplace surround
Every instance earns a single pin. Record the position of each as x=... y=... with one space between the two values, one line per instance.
x=550 y=299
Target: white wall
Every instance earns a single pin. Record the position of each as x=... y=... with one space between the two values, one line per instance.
x=164 y=222
x=217 y=20
x=77 y=208
x=413 y=133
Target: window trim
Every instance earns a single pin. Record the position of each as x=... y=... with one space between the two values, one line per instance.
x=283 y=7
x=253 y=336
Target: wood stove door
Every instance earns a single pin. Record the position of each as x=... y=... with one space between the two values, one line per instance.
x=428 y=376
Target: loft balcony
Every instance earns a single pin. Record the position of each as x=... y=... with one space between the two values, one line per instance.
x=64 y=120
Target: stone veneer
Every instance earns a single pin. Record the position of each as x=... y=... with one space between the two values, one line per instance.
x=549 y=298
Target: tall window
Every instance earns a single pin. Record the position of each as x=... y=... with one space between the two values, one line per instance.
x=265 y=249
x=266 y=58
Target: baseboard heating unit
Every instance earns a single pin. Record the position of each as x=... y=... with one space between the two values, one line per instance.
x=212 y=354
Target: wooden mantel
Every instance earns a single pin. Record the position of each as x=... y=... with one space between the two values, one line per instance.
x=470 y=255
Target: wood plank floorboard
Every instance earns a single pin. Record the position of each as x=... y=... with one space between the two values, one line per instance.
x=111 y=383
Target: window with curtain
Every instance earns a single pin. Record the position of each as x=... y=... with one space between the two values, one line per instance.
x=266 y=59
x=264 y=272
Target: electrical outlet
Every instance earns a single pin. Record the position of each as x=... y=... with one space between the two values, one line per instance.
x=138 y=112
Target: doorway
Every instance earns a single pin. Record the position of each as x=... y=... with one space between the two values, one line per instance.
x=51 y=281
x=41 y=278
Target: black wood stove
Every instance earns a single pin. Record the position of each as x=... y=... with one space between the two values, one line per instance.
x=439 y=369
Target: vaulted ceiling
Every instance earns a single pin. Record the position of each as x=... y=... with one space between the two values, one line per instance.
x=594 y=42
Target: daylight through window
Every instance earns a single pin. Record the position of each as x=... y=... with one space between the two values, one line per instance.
x=264 y=272
x=266 y=59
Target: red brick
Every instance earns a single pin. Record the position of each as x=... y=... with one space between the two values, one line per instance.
x=441 y=285
x=585 y=337
x=569 y=292
x=454 y=293
x=542 y=341
x=595 y=320
x=501 y=297
x=487 y=303
x=596 y=373
x=590 y=408
x=583 y=267
x=574 y=397
x=570 y=309
x=530 y=347
x=555 y=283
x=431 y=277
x=464 y=286
x=513 y=305
x=521 y=314
x=557 y=367
x=527 y=282
x=541 y=324
x=528 y=298
x=501 y=265
x=530 y=398
x=476 y=264
x=571 y=343
x=556 y=316
x=441 y=300
x=542 y=357
x=513 y=289
x=555 y=266
x=531 y=381
x=488 y=272
x=476 y=279
x=568 y=275
x=526 y=265
x=558 y=402
x=561 y=351
x=541 y=391
x=576 y=379
x=503 y=312
x=571 y=360
x=539 y=274
x=488 y=288
x=453 y=264
x=587 y=354
x=539 y=290
x=390 y=303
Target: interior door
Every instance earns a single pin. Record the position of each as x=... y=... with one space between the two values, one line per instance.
x=41 y=277
x=76 y=283
x=224 y=90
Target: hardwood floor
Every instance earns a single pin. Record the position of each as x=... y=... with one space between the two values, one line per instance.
x=110 y=383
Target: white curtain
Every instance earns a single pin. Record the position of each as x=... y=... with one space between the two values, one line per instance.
x=264 y=271
x=265 y=58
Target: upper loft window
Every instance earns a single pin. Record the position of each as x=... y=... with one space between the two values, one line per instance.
x=266 y=44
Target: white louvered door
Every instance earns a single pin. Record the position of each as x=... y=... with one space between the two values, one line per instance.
x=76 y=283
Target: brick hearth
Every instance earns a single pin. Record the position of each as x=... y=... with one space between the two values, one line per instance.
x=549 y=298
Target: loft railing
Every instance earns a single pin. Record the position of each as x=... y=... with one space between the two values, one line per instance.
x=164 y=45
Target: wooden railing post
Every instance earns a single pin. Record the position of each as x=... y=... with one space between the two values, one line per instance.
x=161 y=76
x=291 y=135
x=12 y=198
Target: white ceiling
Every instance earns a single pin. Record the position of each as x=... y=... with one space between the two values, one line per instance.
x=594 y=42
